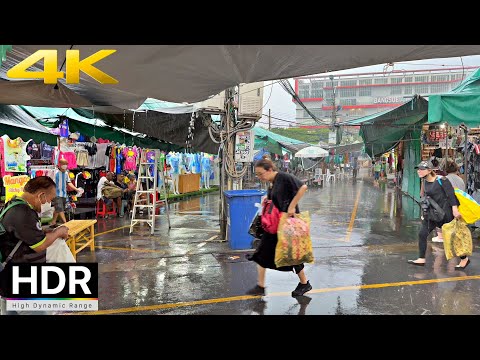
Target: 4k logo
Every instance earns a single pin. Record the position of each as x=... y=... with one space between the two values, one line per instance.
x=74 y=65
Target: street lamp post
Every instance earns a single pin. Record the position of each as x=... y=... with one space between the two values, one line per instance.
x=334 y=109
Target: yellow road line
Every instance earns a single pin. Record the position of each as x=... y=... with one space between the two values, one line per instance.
x=130 y=249
x=109 y=231
x=249 y=297
x=354 y=214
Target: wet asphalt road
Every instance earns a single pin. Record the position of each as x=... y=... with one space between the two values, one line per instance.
x=362 y=237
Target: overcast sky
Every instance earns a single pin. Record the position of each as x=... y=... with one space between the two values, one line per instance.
x=281 y=105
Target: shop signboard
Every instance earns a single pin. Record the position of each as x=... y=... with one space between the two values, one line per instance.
x=244 y=146
x=14 y=185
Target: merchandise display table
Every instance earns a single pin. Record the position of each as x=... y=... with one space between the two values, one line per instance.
x=80 y=233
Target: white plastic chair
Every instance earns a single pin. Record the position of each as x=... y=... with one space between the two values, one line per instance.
x=329 y=176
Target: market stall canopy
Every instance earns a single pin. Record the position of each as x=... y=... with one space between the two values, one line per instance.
x=459 y=105
x=50 y=117
x=16 y=123
x=312 y=152
x=274 y=143
x=382 y=131
x=168 y=124
x=192 y=73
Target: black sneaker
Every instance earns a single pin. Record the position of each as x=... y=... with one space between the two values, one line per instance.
x=257 y=290
x=302 y=289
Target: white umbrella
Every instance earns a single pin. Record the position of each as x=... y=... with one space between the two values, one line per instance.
x=312 y=152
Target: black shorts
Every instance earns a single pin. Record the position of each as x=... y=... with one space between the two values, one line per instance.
x=59 y=203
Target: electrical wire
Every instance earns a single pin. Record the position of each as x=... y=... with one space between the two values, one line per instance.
x=271 y=91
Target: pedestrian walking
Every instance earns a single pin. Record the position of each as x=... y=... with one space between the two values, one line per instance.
x=444 y=195
x=285 y=192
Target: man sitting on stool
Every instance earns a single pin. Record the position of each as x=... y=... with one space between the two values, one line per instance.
x=107 y=180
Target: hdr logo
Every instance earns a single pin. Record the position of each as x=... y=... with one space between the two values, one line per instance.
x=62 y=287
x=74 y=65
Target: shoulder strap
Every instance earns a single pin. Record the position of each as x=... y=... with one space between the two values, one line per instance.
x=2 y=214
x=9 y=206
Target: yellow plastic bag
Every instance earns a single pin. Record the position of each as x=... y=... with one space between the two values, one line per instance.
x=457 y=239
x=469 y=208
x=294 y=244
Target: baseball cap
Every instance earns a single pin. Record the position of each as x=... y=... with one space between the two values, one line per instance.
x=424 y=165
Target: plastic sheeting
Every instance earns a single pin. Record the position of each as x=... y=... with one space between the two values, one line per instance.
x=459 y=105
x=97 y=128
x=192 y=73
x=171 y=127
x=383 y=131
x=16 y=123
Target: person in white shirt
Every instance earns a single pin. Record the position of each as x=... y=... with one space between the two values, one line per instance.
x=107 y=180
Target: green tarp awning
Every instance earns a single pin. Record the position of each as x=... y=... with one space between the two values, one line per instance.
x=459 y=105
x=381 y=132
x=274 y=143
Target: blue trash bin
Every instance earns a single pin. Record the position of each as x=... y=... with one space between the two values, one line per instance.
x=240 y=213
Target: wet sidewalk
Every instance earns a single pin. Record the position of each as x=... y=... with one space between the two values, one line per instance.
x=362 y=237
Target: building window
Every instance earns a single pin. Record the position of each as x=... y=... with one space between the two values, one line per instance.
x=408 y=89
x=408 y=79
x=365 y=82
x=396 y=90
x=439 y=88
x=303 y=90
x=366 y=91
x=348 y=83
x=348 y=102
x=347 y=93
x=423 y=78
x=381 y=81
x=396 y=80
x=317 y=91
x=438 y=78
x=421 y=89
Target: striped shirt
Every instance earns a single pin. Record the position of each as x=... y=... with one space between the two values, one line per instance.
x=61 y=180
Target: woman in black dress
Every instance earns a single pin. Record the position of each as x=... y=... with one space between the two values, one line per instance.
x=285 y=191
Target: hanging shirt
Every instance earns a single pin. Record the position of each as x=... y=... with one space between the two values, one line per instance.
x=174 y=161
x=130 y=154
x=206 y=167
x=70 y=157
x=119 y=160
x=61 y=181
x=46 y=150
x=33 y=150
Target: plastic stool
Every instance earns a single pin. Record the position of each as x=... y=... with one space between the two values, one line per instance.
x=101 y=209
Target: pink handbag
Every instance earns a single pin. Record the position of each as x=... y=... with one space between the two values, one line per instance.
x=270 y=217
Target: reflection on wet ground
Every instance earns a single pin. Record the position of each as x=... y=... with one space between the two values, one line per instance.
x=362 y=236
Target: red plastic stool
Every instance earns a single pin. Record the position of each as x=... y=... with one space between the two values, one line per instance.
x=101 y=209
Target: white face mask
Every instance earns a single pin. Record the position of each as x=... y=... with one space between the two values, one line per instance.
x=64 y=167
x=44 y=207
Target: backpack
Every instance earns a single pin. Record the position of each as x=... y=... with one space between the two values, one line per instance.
x=3 y=231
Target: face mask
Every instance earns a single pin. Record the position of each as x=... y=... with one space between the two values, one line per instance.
x=44 y=207
x=63 y=167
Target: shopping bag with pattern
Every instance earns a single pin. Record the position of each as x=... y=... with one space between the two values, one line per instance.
x=294 y=244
